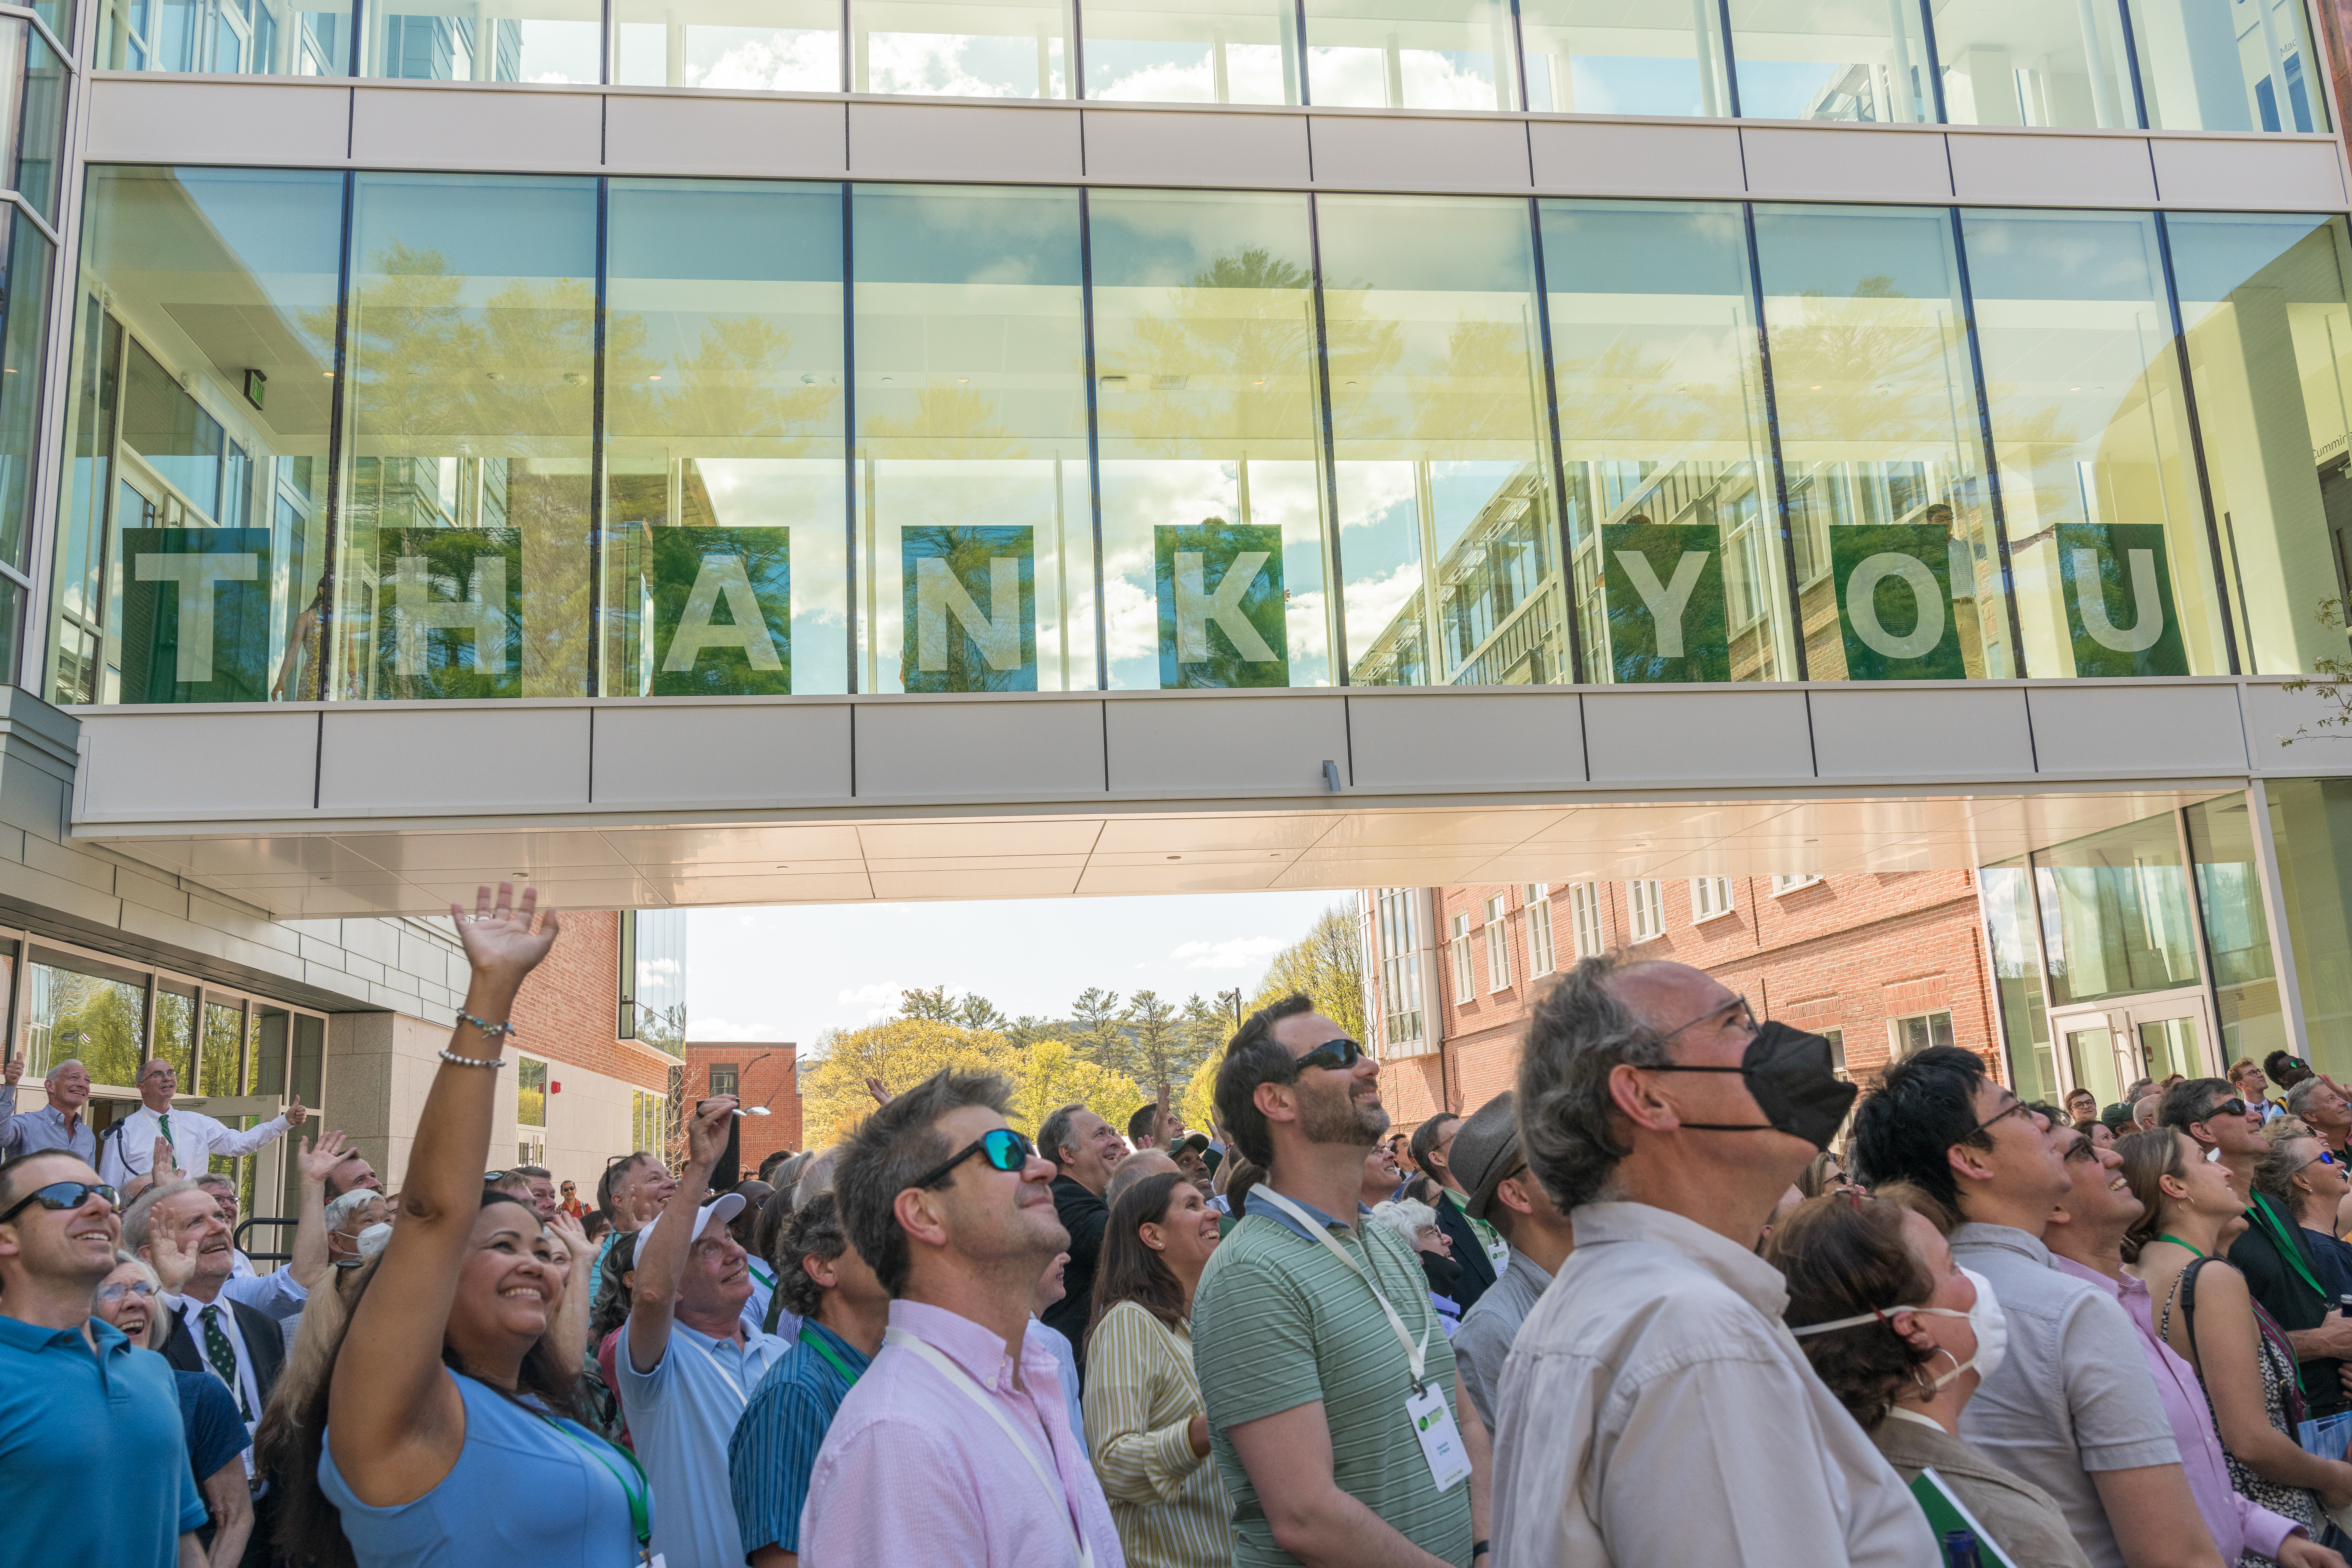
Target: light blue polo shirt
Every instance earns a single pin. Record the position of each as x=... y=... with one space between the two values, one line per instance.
x=67 y=1420
x=681 y=1417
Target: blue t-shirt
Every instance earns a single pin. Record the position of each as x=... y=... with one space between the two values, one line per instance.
x=770 y=1458
x=69 y=1417
x=216 y=1432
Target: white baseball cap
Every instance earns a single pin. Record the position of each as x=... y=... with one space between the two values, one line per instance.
x=723 y=1208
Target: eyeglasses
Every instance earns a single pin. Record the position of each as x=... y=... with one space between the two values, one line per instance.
x=58 y=1196
x=2012 y=1109
x=2227 y=1107
x=1004 y=1149
x=111 y=1294
x=1338 y=1055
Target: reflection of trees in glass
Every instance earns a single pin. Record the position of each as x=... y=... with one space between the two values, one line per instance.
x=1229 y=362
x=664 y=1028
x=531 y=1092
x=1483 y=391
x=99 y=1021
x=946 y=421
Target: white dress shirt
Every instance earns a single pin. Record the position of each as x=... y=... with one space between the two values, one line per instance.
x=191 y=1311
x=195 y=1139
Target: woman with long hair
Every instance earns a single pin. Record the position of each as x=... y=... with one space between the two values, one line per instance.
x=1890 y=1323
x=1145 y=1420
x=438 y=1436
x=2204 y=1311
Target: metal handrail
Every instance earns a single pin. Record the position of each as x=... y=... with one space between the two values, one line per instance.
x=237 y=1238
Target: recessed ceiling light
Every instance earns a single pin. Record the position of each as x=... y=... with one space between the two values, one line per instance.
x=1175 y=856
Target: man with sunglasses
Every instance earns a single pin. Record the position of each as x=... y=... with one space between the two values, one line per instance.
x=1320 y=1359
x=2071 y=1405
x=954 y=1449
x=77 y=1401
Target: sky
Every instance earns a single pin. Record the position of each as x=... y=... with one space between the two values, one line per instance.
x=791 y=973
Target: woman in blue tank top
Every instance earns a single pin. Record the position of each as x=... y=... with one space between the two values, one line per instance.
x=438 y=1434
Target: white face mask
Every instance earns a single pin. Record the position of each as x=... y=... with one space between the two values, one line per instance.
x=1990 y=1323
x=371 y=1239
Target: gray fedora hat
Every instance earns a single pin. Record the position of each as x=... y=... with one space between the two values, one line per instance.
x=1484 y=1151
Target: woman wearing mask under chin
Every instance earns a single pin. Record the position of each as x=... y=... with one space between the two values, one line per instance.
x=1901 y=1336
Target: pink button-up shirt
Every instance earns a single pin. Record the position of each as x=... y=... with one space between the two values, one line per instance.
x=911 y=1473
x=2239 y=1523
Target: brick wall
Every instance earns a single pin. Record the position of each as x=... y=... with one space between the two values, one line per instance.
x=1847 y=953
x=773 y=1082
x=569 y=1010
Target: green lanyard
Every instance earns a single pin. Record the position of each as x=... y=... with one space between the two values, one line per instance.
x=2260 y=1213
x=640 y=1515
x=2176 y=1241
x=827 y=1351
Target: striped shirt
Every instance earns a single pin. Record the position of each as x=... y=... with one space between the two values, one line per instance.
x=1141 y=1396
x=774 y=1448
x=1279 y=1322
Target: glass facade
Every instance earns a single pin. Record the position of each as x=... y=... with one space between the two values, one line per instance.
x=2177 y=65
x=576 y=437
x=2311 y=823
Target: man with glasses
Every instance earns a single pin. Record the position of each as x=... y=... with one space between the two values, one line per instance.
x=1478 y=1246
x=127 y=1155
x=2316 y=1104
x=1654 y=1409
x=1337 y=1420
x=1505 y=1193
x=2071 y=1406
x=954 y=1449
x=2225 y=1126
x=78 y=1402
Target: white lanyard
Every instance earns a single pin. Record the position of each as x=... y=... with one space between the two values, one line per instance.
x=720 y=1368
x=1415 y=1354
x=971 y=1391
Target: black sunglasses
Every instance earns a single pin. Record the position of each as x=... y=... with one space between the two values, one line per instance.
x=58 y=1196
x=1004 y=1149
x=2227 y=1107
x=1338 y=1055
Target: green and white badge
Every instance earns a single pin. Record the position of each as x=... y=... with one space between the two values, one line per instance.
x=1441 y=1440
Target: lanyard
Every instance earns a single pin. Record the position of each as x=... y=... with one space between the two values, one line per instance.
x=641 y=1519
x=1415 y=1355
x=827 y=1351
x=971 y=1390
x=2176 y=1241
x=2260 y=1211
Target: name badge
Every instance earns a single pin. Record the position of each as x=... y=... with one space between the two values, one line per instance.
x=1441 y=1441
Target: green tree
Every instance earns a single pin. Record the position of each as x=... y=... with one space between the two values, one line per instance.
x=1051 y=1074
x=1157 y=1044
x=900 y=1054
x=1095 y=1028
x=1206 y=1026
x=1328 y=964
x=934 y=1004
x=1029 y=1029
x=977 y=1012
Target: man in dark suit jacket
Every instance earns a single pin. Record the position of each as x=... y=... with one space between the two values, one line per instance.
x=1083 y=1149
x=1476 y=1243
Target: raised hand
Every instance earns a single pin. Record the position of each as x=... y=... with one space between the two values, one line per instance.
x=874 y=1086
x=498 y=938
x=173 y=1260
x=160 y=1166
x=294 y=1113
x=706 y=1130
x=13 y=1071
x=329 y=1152
x=573 y=1236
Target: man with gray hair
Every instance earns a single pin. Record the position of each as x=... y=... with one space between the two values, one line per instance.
x=58 y=1124
x=2144 y=1110
x=2316 y=1102
x=1085 y=1150
x=189 y=1138
x=1665 y=1122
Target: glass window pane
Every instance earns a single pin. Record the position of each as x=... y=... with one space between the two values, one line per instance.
x=1633 y=56
x=249 y=37
x=2242 y=67
x=1204 y=352
x=1192 y=51
x=2269 y=345
x=2311 y=824
x=975 y=514
x=1898 y=572
x=783 y=46
x=1831 y=59
x=463 y=569
x=71 y=1014
x=1410 y=54
x=175 y=1032
x=1663 y=430
x=962 y=49
x=1448 y=544
x=223 y=1067
x=2114 y=913
x=41 y=143
x=2016 y=979
x=2011 y=64
x=725 y=534
x=450 y=40
x=24 y=289
x=2237 y=928
x=2108 y=546
x=531 y=1092
x=199 y=406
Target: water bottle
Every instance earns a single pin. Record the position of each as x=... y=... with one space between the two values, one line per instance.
x=2343 y=1306
x=1960 y=1550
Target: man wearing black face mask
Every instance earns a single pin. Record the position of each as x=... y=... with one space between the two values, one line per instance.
x=1654 y=1409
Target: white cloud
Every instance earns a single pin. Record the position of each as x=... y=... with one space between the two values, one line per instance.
x=879 y=1000
x=702 y=1031
x=1235 y=953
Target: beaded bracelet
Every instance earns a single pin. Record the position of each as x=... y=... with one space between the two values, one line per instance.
x=492 y=1030
x=453 y=1059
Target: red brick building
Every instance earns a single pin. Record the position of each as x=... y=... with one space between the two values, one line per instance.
x=757 y=1072
x=1880 y=963
x=567 y=1018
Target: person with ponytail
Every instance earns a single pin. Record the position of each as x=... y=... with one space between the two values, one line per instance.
x=439 y=1436
x=2206 y=1314
x=1903 y=1335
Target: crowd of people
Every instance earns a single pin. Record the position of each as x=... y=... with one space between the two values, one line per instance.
x=1681 y=1294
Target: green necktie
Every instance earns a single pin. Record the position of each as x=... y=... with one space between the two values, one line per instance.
x=222 y=1357
x=164 y=1122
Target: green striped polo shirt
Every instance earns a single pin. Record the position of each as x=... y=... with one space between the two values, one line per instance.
x=1279 y=1322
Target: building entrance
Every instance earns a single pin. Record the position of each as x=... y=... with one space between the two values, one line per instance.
x=2108 y=1047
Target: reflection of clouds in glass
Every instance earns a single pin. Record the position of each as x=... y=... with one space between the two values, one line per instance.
x=1368 y=492
x=1187 y=75
x=783 y=60
x=949 y=65
x=1373 y=602
x=1131 y=619
x=1359 y=78
x=560 y=52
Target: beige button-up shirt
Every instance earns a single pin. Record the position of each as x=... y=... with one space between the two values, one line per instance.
x=1657 y=1410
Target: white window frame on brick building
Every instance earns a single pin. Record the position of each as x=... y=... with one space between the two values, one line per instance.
x=1399 y=962
x=1645 y=909
x=1541 y=958
x=1909 y=1036
x=1465 y=987
x=1498 y=943
x=1584 y=919
x=1836 y=1037
x=1790 y=884
x=1710 y=898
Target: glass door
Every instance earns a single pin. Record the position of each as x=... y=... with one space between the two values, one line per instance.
x=2109 y=1047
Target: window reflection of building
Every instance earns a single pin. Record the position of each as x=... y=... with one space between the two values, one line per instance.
x=1497 y=605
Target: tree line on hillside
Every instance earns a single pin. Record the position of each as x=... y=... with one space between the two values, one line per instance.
x=1112 y=1053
